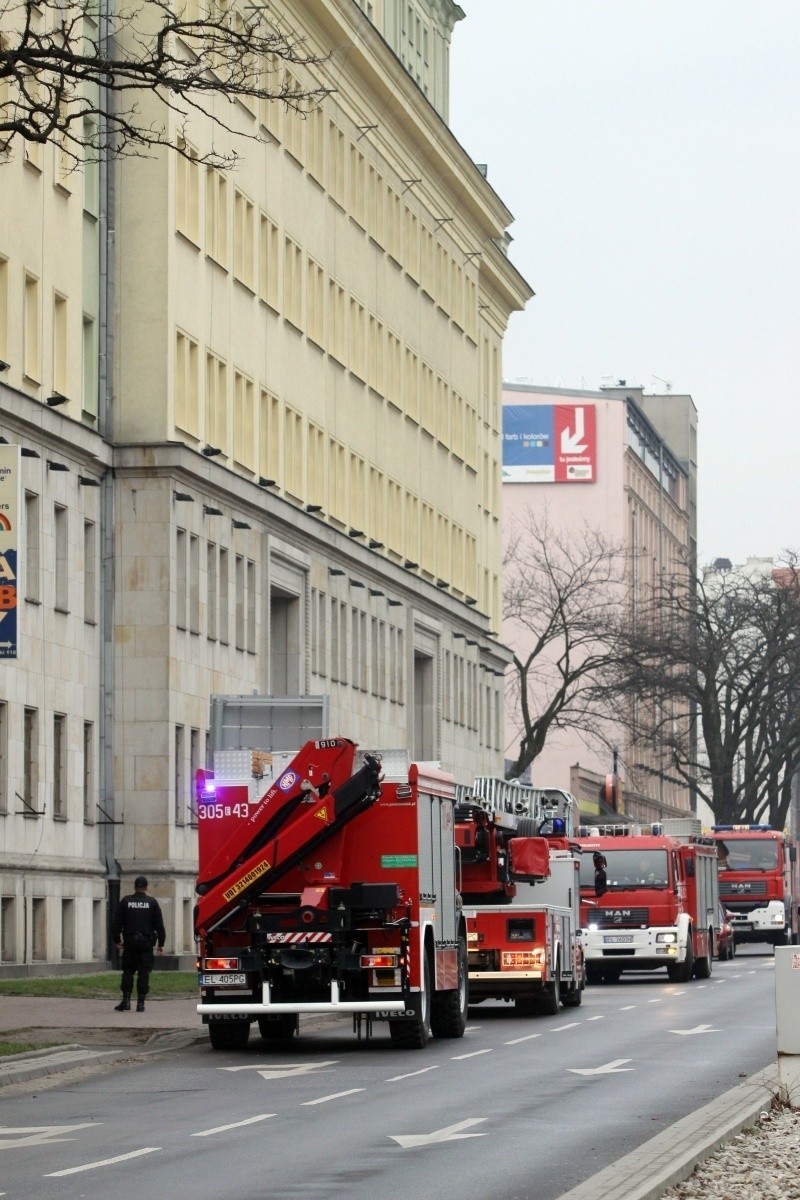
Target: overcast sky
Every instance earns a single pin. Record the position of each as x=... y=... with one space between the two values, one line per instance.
x=650 y=153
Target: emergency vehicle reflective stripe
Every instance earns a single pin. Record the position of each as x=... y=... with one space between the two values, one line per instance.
x=284 y=938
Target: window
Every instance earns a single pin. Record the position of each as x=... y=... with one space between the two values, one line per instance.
x=60 y=383
x=216 y=402
x=195 y=762
x=181 y=567
x=89 y=572
x=243 y=245
x=194 y=583
x=211 y=592
x=39 y=928
x=250 y=628
x=67 y=929
x=244 y=440
x=239 y=585
x=88 y=773
x=292 y=282
x=187 y=384
x=59 y=767
x=91 y=166
x=358 y=339
x=293 y=451
x=30 y=762
x=187 y=192
x=224 y=592
x=89 y=366
x=179 y=779
x=217 y=216
x=32 y=549
x=315 y=302
x=269 y=262
x=269 y=456
x=61 y=565
x=8 y=920
x=31 y=354
x=337 y=321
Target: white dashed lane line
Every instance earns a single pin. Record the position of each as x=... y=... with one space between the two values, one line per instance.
x=103 y=1162
x=334 y=1096
x=472 y=1054
x=411 y=1074
x=527 y=1038
x=233 y=1125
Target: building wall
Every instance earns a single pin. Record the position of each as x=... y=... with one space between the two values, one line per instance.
x=638 y=502
x=327 y=318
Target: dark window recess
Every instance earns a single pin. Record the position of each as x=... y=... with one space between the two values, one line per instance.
x=520 y=930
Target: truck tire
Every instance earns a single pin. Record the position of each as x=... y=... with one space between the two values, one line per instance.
x=573 y=996
x=413 y=1033
x=702 y=966
x=549 y=1001
x=228 y=1035
x=594 y=974
x=686 y=968
x=280 y=1028
x=449 y=1009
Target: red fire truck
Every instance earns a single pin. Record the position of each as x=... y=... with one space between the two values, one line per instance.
x=328 y=886
x=759 y=882
x=648 y=900
x=519 y=883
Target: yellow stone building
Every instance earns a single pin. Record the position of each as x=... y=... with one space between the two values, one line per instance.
x=286 y=380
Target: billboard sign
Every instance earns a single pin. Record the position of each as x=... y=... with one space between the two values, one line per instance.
x=9 y=547
x=549 y=443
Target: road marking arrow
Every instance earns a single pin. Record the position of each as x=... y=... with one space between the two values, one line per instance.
x=284 y=1071
x=573 y=443
x=37 y=1135
x=450 y=1133
x=612 y=1068
x=697 y=1029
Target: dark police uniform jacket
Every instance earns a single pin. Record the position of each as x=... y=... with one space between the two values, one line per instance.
x=139 y=922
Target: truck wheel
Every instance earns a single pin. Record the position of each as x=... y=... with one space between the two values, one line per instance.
x=449 y=1009
x=686 y=968
x=228 y=1035
x=593 y=974
x=550 y=996
x=573 y=996
x=702 y=966
x=280 y=1028
x=413 y=1033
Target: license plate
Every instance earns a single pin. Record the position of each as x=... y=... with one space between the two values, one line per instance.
x=224 y=979
x=616 y=938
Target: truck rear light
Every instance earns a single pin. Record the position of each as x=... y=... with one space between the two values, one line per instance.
x=520 y=960
x=378 y=960
x=220 y=964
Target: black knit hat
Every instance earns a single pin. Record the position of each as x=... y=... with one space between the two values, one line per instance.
x=140 y=881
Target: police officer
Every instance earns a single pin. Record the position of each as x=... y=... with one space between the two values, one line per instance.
x=136 y=928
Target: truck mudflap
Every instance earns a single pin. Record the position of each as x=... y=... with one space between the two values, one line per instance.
x=334 y=1005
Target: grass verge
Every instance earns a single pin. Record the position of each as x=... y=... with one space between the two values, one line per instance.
x=163 y=985
x=20 y=1047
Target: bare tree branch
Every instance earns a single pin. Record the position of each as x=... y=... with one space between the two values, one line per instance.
x=77 y=71
x=563 y=600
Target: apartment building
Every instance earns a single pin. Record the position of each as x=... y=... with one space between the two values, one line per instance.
x=600 y=459
x=267 y=460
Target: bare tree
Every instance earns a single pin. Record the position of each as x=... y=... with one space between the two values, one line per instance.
x=81 y=71
x=728 y=649
x=563 y=602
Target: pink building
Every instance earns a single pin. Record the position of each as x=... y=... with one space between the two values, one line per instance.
x=623 y=464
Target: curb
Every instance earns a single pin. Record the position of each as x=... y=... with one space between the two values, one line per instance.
x=55 y=1060
x=671 y=1156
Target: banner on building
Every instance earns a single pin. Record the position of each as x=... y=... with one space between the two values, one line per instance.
x=549 y=443
x=9 y=548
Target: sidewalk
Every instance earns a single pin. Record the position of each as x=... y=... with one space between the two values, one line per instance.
x=80 y=1033
x=91 y=1033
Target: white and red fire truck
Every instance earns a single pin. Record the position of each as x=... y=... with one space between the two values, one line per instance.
x=648 y=900
x=519 y=884
x=759 y=882
x=326 y=884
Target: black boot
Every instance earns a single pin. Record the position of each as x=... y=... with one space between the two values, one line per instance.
x=140 y=1004
x=124 y=1004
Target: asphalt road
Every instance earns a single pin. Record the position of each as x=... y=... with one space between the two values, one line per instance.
x=519 y=1109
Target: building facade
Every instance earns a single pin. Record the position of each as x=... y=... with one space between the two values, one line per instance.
x=597 y=459
x=271 y=465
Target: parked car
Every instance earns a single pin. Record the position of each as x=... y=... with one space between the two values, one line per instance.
x=726 y=937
